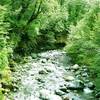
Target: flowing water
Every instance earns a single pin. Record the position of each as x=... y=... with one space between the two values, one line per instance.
x=50 y=76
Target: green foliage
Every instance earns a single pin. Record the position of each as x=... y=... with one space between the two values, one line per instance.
x=76 y=10
x=83 y=43
x=35 y=24
x=83 y=37
x=2 y=96
x=4 y=69
x=5 y=2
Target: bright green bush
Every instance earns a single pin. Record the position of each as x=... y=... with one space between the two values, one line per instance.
x=4 y=69
x=76 y=10
x=83 y=43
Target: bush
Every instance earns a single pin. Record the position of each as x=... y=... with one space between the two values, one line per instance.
x=83 y=43
x=4 y=51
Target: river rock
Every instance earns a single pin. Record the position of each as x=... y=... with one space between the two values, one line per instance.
x=69 y=78
x=84 y=67
x=47 y=95
x=44 y=94
x=85 y=74
x=75 y=67
x=78 y=72
x=67 y=68
x=97 y=95
x=40 y=80
x=43 y=72
x=66 y=98
x=75 y=85
x=55 y=97
x=59 y=92
x=87 y=90
x=71 y=96
x=86 y=81
x=90 y=85
x=64 y=89
x=85 y=70
x=33 y=55
x=50 y=69
x=43 y=60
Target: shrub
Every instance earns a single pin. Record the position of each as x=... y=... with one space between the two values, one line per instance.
x=4 y=51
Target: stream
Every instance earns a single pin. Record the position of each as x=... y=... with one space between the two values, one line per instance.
x=51 y=76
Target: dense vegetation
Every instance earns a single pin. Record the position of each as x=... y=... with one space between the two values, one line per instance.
x=31 y=26
x=83 y=43
x=4 y=51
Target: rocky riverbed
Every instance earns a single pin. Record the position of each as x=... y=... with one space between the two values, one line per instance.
x=51 y=76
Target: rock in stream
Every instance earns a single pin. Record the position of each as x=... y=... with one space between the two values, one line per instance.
x=50 y=76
